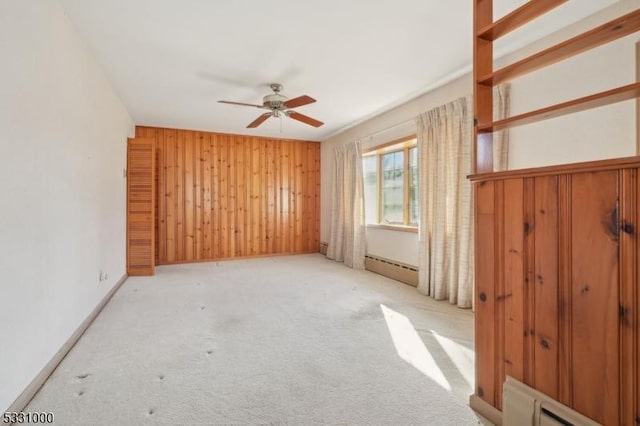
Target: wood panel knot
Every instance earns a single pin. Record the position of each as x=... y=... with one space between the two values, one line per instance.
x=503 y=296
x=628 y=228
x=544 y=343
x=623 y=313
x=483 y=297
x=611 y=224
x=585 y=288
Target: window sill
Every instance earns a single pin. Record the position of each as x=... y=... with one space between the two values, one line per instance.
x=400 y=228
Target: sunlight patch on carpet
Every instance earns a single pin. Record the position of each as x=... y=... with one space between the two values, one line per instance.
x=410 y=347
x=461 y=356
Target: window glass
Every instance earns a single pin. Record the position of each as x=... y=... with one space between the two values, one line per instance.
x=392 y=193
x=413 y=186
x=370 y=169
x=391 y=185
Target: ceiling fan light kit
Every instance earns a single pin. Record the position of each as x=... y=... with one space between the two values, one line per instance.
x=279 y=105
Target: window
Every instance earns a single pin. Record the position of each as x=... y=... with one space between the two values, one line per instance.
x=391 y=184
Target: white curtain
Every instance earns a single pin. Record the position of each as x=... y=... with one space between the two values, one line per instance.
x=445 y=197
x=347 y=239
x=445 y=150
x=501 y=102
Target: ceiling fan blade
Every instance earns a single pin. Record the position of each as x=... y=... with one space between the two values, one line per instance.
x=240 y=103
x=258 y=121
x=306 y=120
x=299 y=101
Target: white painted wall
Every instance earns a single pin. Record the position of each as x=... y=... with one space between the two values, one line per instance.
x=394 y=245
x=606 y=132
x=596 y=134
x=63 y=137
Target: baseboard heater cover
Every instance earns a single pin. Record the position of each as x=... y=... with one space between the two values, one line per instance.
x=524 y=406
x=389 y=268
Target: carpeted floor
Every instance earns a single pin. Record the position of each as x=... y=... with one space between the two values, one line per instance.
x=295 y=340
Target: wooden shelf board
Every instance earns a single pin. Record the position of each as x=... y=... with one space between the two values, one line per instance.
x=519 y=17
x=571 y=168
x=593 y=101
x=605 y=33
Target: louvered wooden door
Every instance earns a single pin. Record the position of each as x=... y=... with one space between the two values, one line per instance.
x=140 y=206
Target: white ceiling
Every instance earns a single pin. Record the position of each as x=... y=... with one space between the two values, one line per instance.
x=171 y=60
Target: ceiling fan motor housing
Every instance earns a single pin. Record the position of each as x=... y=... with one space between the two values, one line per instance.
x=274 y=101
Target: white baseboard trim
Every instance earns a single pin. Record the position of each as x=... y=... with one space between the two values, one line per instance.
x=27 y=395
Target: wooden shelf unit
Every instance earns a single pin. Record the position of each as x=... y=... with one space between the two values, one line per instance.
x=612 y=30
x=612 y=96
x=556 y=248
x=519 y=17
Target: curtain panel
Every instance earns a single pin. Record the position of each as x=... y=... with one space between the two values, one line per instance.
x=445 y=197
x=347 y=240
x=445 y=156
x=501 y=102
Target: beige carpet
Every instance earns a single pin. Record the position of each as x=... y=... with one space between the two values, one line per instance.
x=290 y=340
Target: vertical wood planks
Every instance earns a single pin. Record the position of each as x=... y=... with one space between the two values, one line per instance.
x=485 y=323
x=270 y=197
x=594 y=288
x=224 y=202
x=565 y=366
x=189 y=183
x=546 y=295
x=208 y=221
x=635 y=409
x=499 y=290
x=169 y=197
x=513 y=295
x=223 y=196
x=197 y=195
x=628 y=293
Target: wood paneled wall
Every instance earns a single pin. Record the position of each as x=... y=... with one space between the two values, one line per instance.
x=557 y=286
x=223 y=196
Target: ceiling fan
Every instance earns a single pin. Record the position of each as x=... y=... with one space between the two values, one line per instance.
x=279 y=105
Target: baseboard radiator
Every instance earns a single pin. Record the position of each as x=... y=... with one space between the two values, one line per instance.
x=524 y=406
x=390 y=268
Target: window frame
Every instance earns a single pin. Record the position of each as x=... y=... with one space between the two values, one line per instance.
x=404 y=144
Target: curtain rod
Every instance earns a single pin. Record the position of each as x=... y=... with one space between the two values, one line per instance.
x=372 y=135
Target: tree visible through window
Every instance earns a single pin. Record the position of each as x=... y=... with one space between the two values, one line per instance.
x=392 y=188
x=391 y=184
